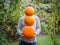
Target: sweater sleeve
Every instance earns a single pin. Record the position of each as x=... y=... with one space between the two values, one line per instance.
x=38 y=27
x=19 y=27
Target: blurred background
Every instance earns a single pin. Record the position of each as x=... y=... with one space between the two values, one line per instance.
x=47 y=10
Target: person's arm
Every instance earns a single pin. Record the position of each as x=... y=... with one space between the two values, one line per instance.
x=19 y=27
x=38 y=26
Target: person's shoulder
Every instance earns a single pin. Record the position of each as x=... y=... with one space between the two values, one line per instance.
x=36 y=17
x=21 y=17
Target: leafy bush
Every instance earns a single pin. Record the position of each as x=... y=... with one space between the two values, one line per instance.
x=9 y=18
x=2 y=38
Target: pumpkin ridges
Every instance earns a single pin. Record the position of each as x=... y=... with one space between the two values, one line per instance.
x=29 y=11
x=29 y=20
x=28 y=31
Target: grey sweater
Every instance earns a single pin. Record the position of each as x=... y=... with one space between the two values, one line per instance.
x=36 y=26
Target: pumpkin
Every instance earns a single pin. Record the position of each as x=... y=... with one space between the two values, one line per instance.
x=28 y=31
x=29 y=11
x=29 y=20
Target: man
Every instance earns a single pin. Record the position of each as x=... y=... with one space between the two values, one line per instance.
x=21 y=24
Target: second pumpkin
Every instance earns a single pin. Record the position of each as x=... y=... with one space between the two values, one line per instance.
x=29 y=20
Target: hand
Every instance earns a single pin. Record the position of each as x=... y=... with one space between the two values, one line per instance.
x=21 y=34
x=35 y=34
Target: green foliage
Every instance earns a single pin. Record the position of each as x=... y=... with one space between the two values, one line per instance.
x=12 y=10
x=42 y=40
x=2 y=38
x=50 y=18
x=9 y=15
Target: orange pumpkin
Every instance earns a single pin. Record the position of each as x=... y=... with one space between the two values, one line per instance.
x=28 y=31
x=29 y=20
x=29 y=11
